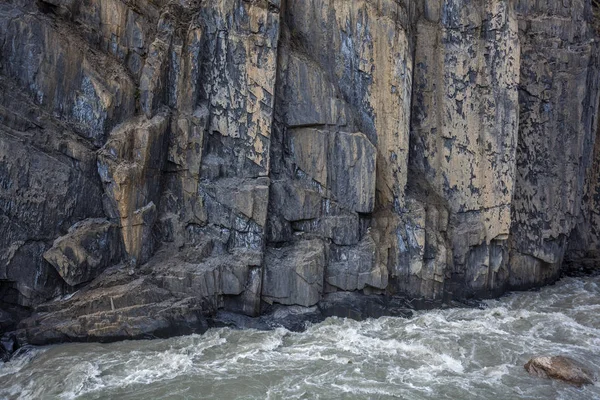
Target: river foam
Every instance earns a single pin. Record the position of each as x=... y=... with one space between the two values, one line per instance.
x=441 y=354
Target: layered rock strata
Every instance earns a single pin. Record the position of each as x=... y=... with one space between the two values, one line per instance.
x=164 y=160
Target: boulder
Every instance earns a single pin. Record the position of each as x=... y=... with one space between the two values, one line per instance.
x=560 y=368
x=86 y=250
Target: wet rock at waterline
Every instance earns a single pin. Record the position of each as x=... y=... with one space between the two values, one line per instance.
x=116 y=306
x=235 y=156
x=8 y=345
x=560 y=368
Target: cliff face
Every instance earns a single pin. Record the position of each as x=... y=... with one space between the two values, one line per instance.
x=167 y=159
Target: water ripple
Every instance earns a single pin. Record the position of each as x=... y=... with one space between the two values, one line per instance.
x=442 y=354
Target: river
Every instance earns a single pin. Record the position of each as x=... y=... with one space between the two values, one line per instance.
x=440 y=354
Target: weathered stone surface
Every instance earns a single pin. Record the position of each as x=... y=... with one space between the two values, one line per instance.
x=352 y=171
x=310 y=153
x=294 y=274
x=62 y=73
x=561 y=368
x=583 y=251
x=87 y=249
x=58 y=99
x=130 y=168
x=294 y=202
x=354 y=57
x=464 y=130
x=335 y=223
x=242 y=44
x=244 y=197
x=312 y=100
x=123 y=309
x=255 y=152
x=344 y=67
x=355 y=267
x=208 y=275
x=48 y=182
x=184 y=161
x=556 y=135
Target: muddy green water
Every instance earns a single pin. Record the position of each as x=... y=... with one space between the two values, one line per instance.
x=443 y=354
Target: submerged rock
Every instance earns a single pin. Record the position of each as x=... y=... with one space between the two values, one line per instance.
x=560 y=368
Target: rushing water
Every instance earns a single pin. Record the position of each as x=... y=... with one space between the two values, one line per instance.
x=443 y=354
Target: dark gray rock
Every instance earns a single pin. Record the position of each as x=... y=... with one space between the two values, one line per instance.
x=355 y=267
x=8 y=345
x=294 y=202
x=86 y=250
x=115 y=306
x=549 y=202
x=360 y=307
x=48 y=182
x=294 y=273
x=352 y=174
x=292 y=318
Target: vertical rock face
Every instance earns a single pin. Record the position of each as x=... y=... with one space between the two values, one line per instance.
x=464 y=136
x=556 y=135
x=130 y=166
x=497 y=138
x=340 y=139
x=233 y=154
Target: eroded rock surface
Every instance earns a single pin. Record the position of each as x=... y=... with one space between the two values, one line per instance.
x=294 y=273
x=237 y=156
x=89 y=247
x=116 y=307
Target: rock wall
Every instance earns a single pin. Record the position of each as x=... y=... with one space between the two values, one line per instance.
x=558 y=65
x=164 y=160
x=463 y=142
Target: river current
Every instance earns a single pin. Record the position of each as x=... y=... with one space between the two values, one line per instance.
x=439 y=354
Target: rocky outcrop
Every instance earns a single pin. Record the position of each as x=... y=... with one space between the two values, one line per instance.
x=119 y=306
x=560 y=368
x=237 y=156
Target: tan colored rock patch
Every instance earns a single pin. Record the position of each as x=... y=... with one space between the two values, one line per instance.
x=560 y=368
